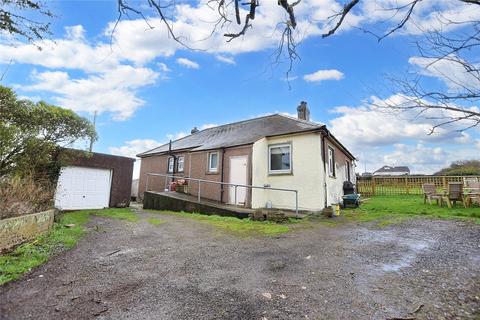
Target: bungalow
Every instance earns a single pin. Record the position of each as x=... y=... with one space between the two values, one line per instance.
x=276 y=151
x=392 y=171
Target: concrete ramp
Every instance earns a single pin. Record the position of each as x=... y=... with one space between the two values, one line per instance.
x=175 y=201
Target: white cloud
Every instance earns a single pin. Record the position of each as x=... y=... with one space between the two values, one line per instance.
x=188 y=63
x=370 y=132
x=107 y=84
x=373 y=125
x=176 y=136
x=454 y=75
x=114 y=91
x=132 y=148
x=135 y=45
x=225 y=59
x=424 y=159
x=322 y=75
x=163 y=67
x=71 y=52
x=428 y=15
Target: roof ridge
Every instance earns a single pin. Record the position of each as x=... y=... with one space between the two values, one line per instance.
x=301 y=120
x=237 y=122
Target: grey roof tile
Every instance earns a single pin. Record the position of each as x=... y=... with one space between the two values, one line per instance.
x=237 y=133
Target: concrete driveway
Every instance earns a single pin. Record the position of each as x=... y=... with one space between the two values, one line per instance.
x=185 y=269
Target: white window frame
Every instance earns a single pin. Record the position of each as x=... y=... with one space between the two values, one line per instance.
x=180 y=160
x=331 y=161
x=209 y=160
x=272 y=146
x=170 y=164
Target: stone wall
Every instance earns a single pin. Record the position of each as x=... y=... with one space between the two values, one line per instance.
x=14 y=231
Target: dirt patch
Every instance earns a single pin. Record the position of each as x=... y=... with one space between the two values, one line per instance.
x=184 y=269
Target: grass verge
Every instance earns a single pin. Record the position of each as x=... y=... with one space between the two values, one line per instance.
x=240 y=227
x=60 y=237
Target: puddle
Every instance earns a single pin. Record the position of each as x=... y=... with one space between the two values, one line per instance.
x=405 y=260
x=405 y=250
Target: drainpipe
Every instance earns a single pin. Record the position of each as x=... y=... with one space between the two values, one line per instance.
x=222 y=176
x=324 y=167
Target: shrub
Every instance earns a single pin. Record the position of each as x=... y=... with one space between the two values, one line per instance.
x=25 y=195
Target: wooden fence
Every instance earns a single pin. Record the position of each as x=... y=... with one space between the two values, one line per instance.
x=401 y=185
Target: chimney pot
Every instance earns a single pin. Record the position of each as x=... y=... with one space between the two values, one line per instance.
x=302 y=111
x=194 y=130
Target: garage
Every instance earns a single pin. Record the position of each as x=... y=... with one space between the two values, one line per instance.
x=94 y=181
x=83 y=188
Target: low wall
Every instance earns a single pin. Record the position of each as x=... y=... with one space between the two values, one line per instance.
x=14 y=231
x=156 y=201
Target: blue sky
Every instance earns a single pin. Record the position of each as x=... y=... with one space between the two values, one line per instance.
x=148 y=89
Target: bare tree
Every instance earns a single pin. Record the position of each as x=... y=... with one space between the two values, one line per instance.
x=455 y=105
x=25 y=19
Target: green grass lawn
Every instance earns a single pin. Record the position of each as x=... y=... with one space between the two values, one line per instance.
x=60 y=237
x=391 y=209
x=155 y=221
x=240 y=227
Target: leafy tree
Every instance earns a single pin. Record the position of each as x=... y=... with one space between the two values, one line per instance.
x=461 y=168
x=33 y=135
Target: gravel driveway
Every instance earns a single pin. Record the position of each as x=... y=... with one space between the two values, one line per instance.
x=185 y=269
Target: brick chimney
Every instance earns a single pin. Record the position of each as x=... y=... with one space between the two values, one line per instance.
x=194 y=130
x=302 y=111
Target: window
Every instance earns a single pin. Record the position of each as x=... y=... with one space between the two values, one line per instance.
x=171 y=162
x=180 y=161
x=213 y=162
x=331 y=162
x=347 y=170
x=280 y=158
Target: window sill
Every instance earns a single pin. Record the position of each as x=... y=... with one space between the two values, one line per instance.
x=280 y=173
x=212 y=172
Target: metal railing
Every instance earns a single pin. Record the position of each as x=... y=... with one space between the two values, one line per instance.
x=200 y=181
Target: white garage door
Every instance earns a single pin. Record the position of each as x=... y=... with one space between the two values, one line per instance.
x=83 y=188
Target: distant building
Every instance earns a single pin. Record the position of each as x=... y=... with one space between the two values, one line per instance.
x=392 y=171
x=367 y=174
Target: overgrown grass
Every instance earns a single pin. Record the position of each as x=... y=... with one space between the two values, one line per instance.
x=392 y=209
x=241 y=227
x=122 y=214
x=60 y=237
x=386 y=210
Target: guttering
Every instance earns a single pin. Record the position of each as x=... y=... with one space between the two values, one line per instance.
x=143 y=155
x=324 y=168
x=338 y=143
x=222 y=175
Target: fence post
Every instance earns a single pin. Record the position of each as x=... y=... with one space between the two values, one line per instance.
x=406 y=185
x=373 y=186
x=444 y=182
